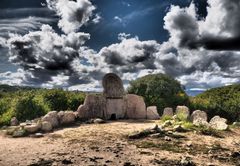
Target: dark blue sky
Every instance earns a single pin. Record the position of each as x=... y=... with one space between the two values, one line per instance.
x=142 y=18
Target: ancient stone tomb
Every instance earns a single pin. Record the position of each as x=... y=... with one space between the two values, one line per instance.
x=113 y=103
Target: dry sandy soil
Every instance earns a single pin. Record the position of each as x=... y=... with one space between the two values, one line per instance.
x=107 y=144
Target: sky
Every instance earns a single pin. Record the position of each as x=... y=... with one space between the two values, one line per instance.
x=72 y=44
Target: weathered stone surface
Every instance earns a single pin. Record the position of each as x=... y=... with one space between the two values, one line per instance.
x=152 y=113
x=199 y=117
x=115 y=109
x=46 y=126
x=52 y=117
x=113 y=86
x=66 y=117
x=168 y=112
x=136 y=108
x=218 y=123
x=14 y=121
x=19 y=133
x=98 y=121
x=94 y=107
x=113 y=103
x=182 y=112
x=33 y=128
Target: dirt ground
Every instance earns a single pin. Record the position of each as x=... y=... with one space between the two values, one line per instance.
x=107 y=144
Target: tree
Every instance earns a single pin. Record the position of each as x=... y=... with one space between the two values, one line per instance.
x=160 y=90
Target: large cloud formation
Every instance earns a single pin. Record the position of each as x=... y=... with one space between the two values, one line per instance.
x=72 y=14
x=45 y=53
x=218 y=31
x=195 y=53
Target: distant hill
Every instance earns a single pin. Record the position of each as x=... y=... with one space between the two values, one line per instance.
x=8 y=88
x=223 y=101
x=225 y=91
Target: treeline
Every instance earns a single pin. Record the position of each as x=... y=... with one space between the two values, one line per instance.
x=29 y=103
x=223 y=101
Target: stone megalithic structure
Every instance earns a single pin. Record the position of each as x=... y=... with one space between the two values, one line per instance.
x=113 y=103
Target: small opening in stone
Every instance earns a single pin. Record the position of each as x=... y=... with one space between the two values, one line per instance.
x=113 y=117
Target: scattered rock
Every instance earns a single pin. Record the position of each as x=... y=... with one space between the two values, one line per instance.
x=236 y=123
x=168 y=112
x=23 y=124
x=66 y=117
x=186 y=161
x=98 y=121
x=52 y=117
x=43 y=162
x=156 y=135
x=14 y=122
x=182 y=112
x=200 y=122
x=179 y=128
x=152 y=113
x=199 y=117
x=10 y=130
x=19 y=133
x=145 y=133
x=189 y=144
x=218 y=123
x=28 y=122
x=37 y=135
x=46 y=126
x=174 y=117
x=33 y=128
x=166 y=138
x=167 y=123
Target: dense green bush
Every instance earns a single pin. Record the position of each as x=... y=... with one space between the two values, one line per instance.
x=56 y=99
x=223 y=101
x=29 y=103
x=27 y=107
x=74 y=100
x=160 y=90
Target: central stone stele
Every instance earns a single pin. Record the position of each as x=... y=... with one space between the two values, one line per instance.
x=113 y=103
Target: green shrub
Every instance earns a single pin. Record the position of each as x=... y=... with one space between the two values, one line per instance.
x=56 y=100
x=166 y=118
x=74 y=100
x=5 y=118
x=29 y=103
x=160 y=90
x=26 y=107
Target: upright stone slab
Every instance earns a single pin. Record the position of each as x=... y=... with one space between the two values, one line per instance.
x=113 y=86
x=135 y=107
x=168 y=112
x=199 y=117
x=152 y=113
x=94 y=107
x=113 y=92
x=115 y=109
x=182 y=112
